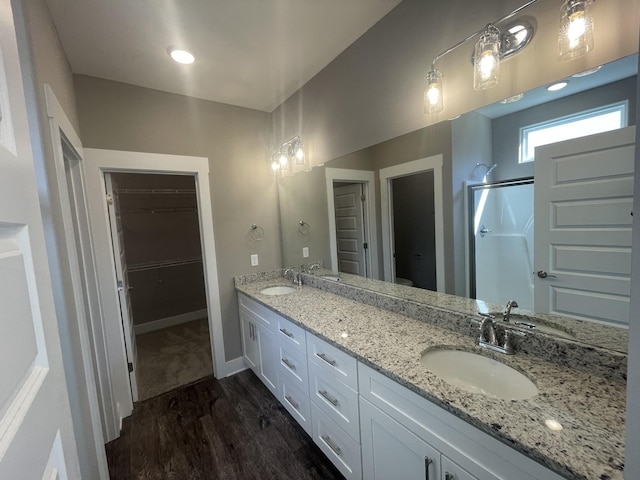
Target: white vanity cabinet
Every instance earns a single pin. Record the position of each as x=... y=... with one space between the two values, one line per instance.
x=258 y=341
x=333 y=389
x=404 y=432
x=367 y=424
x=293 y=378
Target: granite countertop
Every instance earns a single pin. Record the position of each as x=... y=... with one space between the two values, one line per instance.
x=590 y=408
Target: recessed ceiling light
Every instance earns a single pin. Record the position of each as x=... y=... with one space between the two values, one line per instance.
x=512 y=99
x=587 y=72
x=181 y=56
x=557 y=86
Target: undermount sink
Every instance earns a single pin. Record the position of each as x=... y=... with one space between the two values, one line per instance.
x=478 y=374
x=278 y=290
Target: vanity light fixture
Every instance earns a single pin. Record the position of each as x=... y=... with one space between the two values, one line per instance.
x=495 y=44
x=290 y=152
x=486 y=59
x=181 y=56
x=575 y=37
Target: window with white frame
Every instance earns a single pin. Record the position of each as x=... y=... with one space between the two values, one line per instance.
x=598 y=120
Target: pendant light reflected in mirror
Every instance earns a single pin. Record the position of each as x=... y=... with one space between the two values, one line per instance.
x=575 y=37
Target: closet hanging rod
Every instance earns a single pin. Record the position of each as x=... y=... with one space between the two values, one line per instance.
x=167 y=191
x=138 y=267
x=158 y=210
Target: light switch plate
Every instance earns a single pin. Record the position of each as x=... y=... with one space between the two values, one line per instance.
x=254 y=260
x=305 y=252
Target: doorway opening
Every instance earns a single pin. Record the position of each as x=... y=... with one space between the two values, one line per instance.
x=414 y=239
x=417 y=223
x=164 y=279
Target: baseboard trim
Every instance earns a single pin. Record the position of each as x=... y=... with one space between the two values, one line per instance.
x=232 y=367
x=170 y=321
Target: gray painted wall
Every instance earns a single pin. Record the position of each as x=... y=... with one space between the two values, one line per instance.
x=118 y=116
x=43 y=61
x=471 y=144
x=506 y=130
x=373 y=90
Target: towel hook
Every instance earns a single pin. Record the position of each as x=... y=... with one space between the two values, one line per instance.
x=303 y=228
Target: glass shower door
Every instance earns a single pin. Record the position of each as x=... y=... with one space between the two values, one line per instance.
x=501 y=242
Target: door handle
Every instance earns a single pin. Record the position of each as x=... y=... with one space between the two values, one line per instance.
x=484 y=230
x=543 y=274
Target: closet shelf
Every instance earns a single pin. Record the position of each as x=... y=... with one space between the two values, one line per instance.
x=138 y=267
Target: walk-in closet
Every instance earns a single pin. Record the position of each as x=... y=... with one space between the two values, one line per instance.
x=161 y=236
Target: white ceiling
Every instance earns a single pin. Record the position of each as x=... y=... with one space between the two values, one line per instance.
x=250 y=53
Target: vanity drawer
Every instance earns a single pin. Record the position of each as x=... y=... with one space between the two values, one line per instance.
x=293 y=364
x=291 y=333
x=257 y=312
x=333 y=360
x=297 y=403
x=335 y=399
x=339 y=447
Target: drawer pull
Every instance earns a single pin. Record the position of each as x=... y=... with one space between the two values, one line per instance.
x=336 y=449
x=427 y=464
x=448 y=476
x=288 y=334
x=324 y=357
x=293 y=403
x=332 y=400
x=288 y=364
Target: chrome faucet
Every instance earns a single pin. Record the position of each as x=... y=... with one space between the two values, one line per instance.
x=488 y=331
x=295 y=278
x=489 y=339
x=507 y=309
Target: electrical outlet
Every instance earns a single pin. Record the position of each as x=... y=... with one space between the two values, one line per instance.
x=254 y=260
x=305 y=252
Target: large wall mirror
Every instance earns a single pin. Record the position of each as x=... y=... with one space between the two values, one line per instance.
x=416 y=199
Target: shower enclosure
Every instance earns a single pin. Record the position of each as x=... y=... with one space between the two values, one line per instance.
x=501 y=242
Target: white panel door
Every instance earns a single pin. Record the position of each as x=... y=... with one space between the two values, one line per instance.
x=122 y=277
x=36 y=436
x=350 y=236
x=583 y=215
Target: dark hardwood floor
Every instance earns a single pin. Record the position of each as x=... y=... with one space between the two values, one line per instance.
x=215 y=429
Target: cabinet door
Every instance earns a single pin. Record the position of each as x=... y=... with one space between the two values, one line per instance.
x=268 y=363
x=453 y=471
x=391 y=451
x=249 y=343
